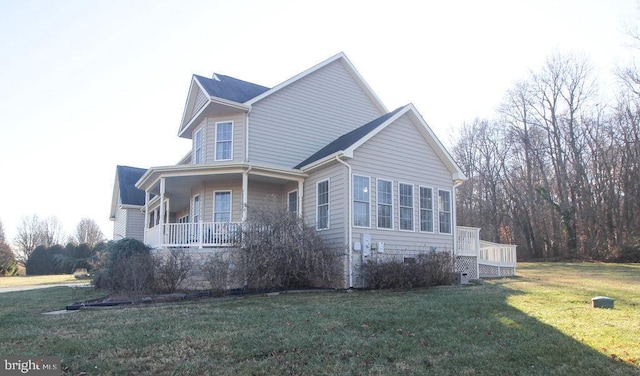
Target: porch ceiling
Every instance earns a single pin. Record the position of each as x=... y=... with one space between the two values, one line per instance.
x=181 y=182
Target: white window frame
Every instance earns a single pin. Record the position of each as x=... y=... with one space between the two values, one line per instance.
x=378 y=181
x=421 y=209
x=327 y=204
x=293 y=210
x=367 y=190
x=217 y=142
x=230 y=205
x=197 y=147
x=440 y=212
x=196 y=207
x=412 y=207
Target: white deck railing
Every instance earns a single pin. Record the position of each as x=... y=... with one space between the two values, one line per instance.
x=201 y=234
x=497 y=257
x=467 y=241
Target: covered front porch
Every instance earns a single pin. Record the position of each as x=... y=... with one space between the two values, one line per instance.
x=206 y=205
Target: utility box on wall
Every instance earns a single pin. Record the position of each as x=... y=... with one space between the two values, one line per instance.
x=366 y=245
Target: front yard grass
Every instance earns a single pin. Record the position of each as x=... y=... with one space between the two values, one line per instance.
x=540 y=323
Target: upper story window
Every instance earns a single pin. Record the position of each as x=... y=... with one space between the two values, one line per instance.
x=426 y=209
x=444 y=211
x=361 y=201
x=405 y=198
x=322 y=205
x=385 y=204
x=224 y=141
x=197 y=147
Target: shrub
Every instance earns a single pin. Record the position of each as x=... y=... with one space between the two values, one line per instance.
x=217 y=271
x=125 y=265
x=429 y=269
x=43 y=260
x=279 y=251
x=172 y=269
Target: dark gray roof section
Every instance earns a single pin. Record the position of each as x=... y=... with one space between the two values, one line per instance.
x=346 y=140
x=230 y=88
x=127 y=178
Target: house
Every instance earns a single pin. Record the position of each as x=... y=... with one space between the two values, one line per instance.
x=371 y=181
x=127 y=203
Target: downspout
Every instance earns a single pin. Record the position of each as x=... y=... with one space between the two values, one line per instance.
x=348 y=221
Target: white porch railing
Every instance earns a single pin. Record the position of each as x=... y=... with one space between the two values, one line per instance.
x=201 y=234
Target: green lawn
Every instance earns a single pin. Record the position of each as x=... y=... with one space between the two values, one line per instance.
x=540 y=323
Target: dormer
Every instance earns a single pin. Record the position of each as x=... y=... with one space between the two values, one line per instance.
x=213 y=97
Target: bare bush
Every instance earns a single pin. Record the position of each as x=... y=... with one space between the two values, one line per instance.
x=430 y=269
x=171 y=269
x=279 y=251
x=217 y=271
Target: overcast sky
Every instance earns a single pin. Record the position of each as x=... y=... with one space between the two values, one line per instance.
x=87 y=85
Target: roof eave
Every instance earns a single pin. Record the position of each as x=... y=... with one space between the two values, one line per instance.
x=212 y=100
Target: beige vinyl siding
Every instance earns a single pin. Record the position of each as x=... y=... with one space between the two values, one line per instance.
x=238 y=121
x=401 y=154
x=336 y=234
x=200 y=100
x=129 y=223
x=120 y=224
x=135 y=223
x=295 y=122
x=206 y=199
x=263 y=195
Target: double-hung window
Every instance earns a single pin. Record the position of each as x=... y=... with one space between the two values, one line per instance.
x=224 y=141
x=222 y=206
x=361 y=201
x=444 y=211
x=405 y=198
x=385 y=204
x=322 y=205
x=196 y=209
x=426 y=209
x=197 y=147
x=292 y=202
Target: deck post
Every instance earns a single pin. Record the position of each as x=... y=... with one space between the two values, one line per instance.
x=245 y=194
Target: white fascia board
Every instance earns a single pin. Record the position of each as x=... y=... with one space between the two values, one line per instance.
x=213 y=100
x=438 y=147
x=339 y=56
x=364 y=85
x=374 y=132
x=321 y=162
x=115 y=197
x=186 y=105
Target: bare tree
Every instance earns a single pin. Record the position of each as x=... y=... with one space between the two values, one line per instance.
x=28 y=237
x=88 y=232
x=52 y=232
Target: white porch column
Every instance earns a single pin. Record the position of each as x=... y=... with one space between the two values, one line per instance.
x=245 y=194
x=300 y=196
x=147 y=195
x=162 y=211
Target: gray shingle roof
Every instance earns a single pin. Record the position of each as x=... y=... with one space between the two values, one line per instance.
x=346 y=140
x=127 y=178
x=230 y=88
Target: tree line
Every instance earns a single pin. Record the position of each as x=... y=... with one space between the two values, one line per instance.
x=39 y=246
x=557 y=171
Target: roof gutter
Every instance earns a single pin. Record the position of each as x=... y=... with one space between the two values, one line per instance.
x=348 y=221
